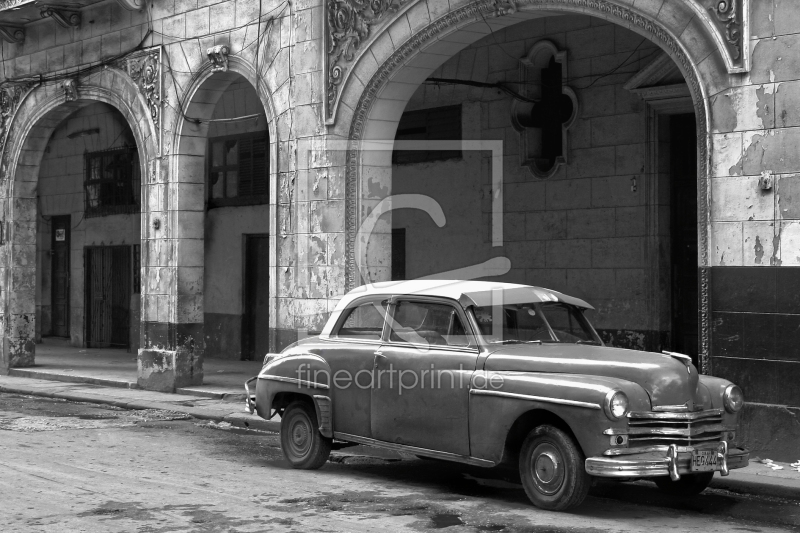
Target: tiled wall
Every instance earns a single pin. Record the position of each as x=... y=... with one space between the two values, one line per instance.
x=756 y=331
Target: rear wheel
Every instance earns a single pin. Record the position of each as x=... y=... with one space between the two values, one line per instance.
x=551 y=466
x=687 y=485
x=302 y=443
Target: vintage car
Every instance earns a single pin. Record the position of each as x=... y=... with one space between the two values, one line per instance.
x=484 y=373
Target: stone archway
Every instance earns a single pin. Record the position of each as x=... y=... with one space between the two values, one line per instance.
x=188 y=161
x=393 y=73
x=37 y=114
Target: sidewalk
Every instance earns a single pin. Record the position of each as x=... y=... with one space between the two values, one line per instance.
x=56 y=360
x=204 y=408
x=756 y=478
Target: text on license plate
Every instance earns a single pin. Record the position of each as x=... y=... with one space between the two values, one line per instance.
x=704 y=461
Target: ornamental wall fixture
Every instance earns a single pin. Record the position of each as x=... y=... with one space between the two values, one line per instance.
x=66 y=18
x=12 y=34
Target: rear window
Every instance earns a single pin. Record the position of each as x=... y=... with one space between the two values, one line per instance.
x=363 y=321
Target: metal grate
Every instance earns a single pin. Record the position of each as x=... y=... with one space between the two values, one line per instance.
x=683 y=429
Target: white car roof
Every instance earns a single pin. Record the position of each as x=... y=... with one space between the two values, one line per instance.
x=478 y=293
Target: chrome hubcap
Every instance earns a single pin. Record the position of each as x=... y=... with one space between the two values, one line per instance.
x=547 y=468
x=300 y=436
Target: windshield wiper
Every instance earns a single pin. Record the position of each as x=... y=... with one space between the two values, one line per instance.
x=593 y=343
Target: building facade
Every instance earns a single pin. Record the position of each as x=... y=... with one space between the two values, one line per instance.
x=179 y=174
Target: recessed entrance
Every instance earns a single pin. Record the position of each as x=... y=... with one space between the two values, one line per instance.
x=59 y=279
x=108 y=296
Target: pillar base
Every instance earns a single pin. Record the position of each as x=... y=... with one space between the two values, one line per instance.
x=170 y=358
x=165 y=371
x=17 y=353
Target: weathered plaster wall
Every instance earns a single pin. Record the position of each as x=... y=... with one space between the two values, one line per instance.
x=583 y=230
x=61 y=178
x=755 y=133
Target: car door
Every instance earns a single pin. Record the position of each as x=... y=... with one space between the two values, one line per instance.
x=421 y=380
x=350 y=352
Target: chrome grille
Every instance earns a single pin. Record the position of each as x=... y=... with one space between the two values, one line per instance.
x=681 y=428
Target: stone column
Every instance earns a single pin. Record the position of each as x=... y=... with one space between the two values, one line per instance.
x=172 y=339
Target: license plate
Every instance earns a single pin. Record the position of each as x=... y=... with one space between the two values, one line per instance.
x=704 y=461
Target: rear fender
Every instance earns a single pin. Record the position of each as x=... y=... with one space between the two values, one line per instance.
x=498 y=399
x=303 y=374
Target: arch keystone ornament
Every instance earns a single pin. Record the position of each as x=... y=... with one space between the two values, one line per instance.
x=218 y=55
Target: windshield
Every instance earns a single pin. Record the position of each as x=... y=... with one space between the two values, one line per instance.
x=534 y=323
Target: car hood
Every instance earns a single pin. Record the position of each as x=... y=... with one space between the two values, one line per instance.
x=667 y=380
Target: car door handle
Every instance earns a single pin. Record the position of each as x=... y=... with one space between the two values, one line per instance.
x=380 y=354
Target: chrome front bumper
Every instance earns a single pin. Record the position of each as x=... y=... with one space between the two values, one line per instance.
x=673 y=463
x=250 y=398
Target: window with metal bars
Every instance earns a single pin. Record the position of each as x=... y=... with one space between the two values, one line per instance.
x=112 y=182
x=434 y=124
x=238 y=170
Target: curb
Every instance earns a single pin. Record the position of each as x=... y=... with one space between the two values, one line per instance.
x=757 y=488
x=241 y=420
x=64 y=378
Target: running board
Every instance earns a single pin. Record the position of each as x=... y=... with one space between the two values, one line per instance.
x=445 y=456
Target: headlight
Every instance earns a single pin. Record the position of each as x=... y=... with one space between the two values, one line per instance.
x=733 y=399
x=616 y=404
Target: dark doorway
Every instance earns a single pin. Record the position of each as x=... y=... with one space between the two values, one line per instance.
x=108 y=296
x=59 y=285
x=398 y=254
x=683 y=184
x=256 y=297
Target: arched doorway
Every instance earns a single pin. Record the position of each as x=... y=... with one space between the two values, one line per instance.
x=39 y=114
x=227 y=150
x=577 y=237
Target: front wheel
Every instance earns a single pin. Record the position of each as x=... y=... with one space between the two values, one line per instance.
x=687 y=485
x=552 y=469
x=302 y=443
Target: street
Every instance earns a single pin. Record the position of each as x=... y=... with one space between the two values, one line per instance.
x=68 y=466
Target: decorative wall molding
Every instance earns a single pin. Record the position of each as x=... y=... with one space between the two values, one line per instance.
x=66 y=17
x=349 y=25
x=13 y=34
x=728 y=22
x=10 y=98
x=145 y=70
x=481 y=9
x=218 y=55
x=10 y=4
x=132 y=5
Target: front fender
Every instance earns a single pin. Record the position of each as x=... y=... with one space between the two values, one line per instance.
x=306 y=374
x=498 y=399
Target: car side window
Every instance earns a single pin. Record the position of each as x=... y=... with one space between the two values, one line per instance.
x=363 y=321
x=426 y=323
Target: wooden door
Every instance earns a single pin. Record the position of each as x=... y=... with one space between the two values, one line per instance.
x=98 y=297
x=108 y=286
x=59 y=283
x=256 y=297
